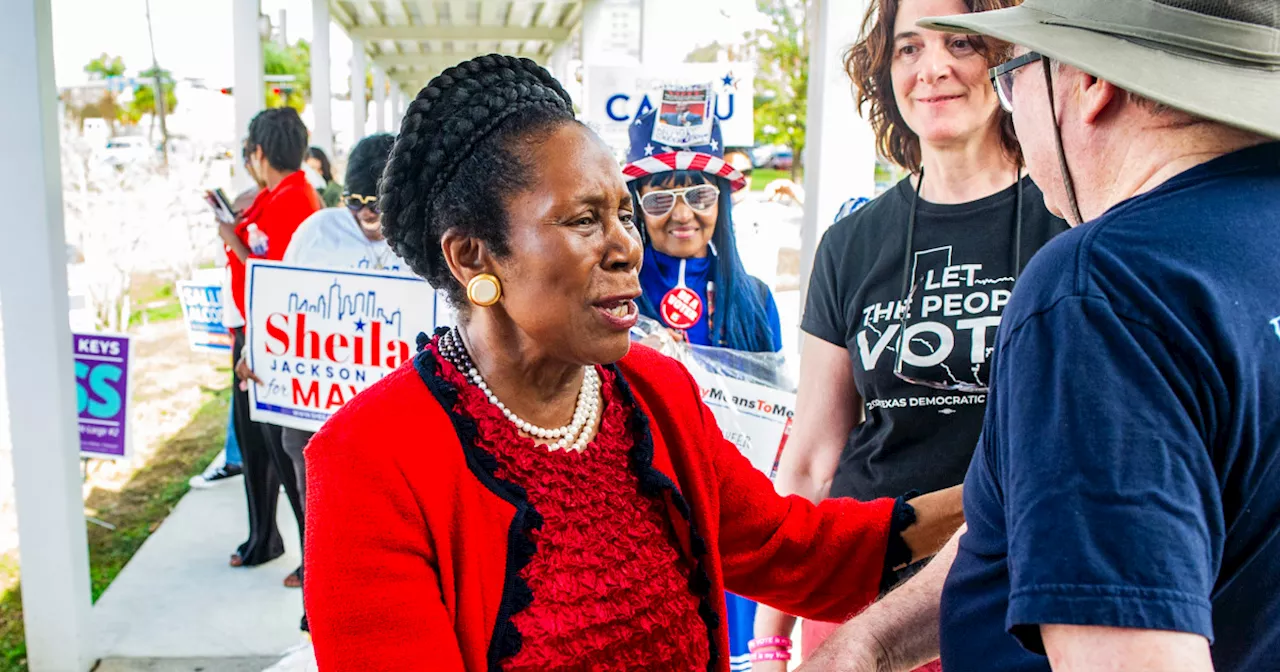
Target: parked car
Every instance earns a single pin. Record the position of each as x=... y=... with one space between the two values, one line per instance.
x=126 y=149
x=760 y=156
x=782 y=160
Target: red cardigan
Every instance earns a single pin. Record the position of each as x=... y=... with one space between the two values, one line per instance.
x=414 y=549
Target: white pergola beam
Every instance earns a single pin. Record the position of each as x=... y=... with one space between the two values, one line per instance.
x=39 y=377
x=464 y=33
x=397 y=64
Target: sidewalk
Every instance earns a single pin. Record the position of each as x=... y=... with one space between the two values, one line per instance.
x=179 y=606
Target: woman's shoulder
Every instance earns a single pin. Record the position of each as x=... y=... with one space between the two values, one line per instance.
x=650 y=372
x=871 y=220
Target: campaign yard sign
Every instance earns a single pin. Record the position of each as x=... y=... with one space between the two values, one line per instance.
x=318 y=337
x=202 y=313
x=102 y=394
x=754 y=417
x=618 y=95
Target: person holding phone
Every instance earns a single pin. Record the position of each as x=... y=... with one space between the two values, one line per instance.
x=275 y=149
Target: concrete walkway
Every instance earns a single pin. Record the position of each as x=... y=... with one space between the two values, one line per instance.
x=178 y=606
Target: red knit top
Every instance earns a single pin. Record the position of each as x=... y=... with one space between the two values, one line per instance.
x=610 y=588
x=416 y=551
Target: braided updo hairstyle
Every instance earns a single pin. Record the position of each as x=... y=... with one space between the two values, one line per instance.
x=463 y=150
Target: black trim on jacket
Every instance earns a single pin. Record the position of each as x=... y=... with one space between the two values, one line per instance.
x=516 y=595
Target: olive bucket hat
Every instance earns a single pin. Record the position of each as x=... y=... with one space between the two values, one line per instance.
x=1217 y=59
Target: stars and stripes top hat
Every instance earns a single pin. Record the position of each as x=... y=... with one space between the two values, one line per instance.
x=704 y=152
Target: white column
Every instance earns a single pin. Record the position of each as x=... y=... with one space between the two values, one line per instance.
x=321 y=95
x=596 y=26
x=397 y=107
x=655 y=41
x=840 y=152
x=558 y=64
x=379 y=99
x=40 y=378
x=248 y=88
x=357 y=90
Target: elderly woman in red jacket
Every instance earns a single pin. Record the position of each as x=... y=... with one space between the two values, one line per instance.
x=534 y=492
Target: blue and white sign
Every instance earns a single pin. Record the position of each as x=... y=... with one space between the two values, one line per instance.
x=617 y=95
x=319 y=336
x=202 y=313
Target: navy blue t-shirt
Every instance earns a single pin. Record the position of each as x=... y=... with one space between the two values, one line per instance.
x=1128 y=473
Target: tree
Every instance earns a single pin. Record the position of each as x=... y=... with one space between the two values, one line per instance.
x=294 y=60
x=104 y=67
x=144 y=97
x=782 y=77
x=107 y=107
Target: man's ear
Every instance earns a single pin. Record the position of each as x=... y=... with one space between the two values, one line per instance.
x=1098 y=97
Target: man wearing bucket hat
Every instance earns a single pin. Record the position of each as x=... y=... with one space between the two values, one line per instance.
x=1123 y=500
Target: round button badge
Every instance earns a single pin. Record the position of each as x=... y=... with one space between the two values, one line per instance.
x=681 y=308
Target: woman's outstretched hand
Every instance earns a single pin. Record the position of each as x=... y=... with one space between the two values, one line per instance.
x=938 y=516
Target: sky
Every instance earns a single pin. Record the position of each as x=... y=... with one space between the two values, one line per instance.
x=193 y=37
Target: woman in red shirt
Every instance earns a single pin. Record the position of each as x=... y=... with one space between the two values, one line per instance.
x=534 y=492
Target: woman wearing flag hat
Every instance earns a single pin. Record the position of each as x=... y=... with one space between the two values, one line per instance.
x=693 y=278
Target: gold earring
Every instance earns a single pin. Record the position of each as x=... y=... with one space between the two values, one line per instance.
x=484 y=290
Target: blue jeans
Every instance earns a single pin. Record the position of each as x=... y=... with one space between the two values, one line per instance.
x=233 y=443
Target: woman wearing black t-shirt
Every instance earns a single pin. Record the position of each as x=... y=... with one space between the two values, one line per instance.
x=934 y=258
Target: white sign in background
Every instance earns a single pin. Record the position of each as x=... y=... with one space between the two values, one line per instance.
x=616 y=95
x=751 y=416
x=318 y=337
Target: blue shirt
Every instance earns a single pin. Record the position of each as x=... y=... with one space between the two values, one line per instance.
x=660 y=273
x=1128 y=473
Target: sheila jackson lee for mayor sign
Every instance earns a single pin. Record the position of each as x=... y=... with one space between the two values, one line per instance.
x=318 y=337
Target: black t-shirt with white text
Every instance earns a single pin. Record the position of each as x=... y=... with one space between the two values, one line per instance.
x=917 y=437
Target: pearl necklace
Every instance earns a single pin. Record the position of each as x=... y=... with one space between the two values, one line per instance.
x=574 y=435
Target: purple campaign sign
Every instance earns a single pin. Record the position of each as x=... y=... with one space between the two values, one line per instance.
x=102 y=394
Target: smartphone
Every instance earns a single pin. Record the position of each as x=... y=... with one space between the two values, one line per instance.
x=220 y=205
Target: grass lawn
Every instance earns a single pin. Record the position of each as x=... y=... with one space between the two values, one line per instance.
x=761 y=177
x=135 y=511
x=155 y=301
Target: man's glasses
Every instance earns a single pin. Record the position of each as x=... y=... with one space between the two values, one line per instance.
x=701 y=198
x=356 y=202
x=1002 y=77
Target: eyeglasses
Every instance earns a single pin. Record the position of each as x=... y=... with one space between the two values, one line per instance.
x=356 y=202
x=1002 y=77
x=701 y=198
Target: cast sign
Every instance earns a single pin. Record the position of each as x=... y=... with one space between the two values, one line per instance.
x=617 y=95
x=318 y=337
x=102 y=394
